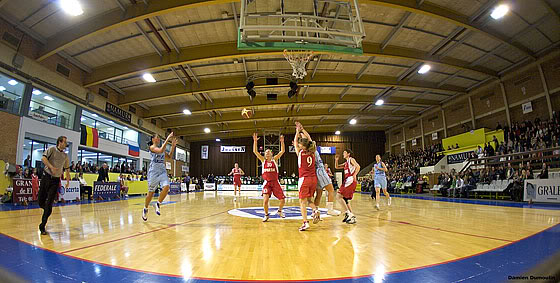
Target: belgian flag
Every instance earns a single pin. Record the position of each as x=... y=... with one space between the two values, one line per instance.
x=89 y=136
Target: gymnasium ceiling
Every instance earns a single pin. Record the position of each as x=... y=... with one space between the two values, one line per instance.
x=197 y=66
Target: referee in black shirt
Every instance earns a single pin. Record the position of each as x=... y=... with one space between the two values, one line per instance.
x=56 y=162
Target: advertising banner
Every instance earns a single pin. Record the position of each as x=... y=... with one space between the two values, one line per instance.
x=106 y=190
x=204 y=152
x=70 y=193
x=175 y=188
x=231 y=148
x=209 y=186
x=22 y=191
x=542 y=190
x=458 y=157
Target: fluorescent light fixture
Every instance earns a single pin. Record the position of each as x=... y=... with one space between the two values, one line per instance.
x=499 y=12
x=424 y=69
x=94 y=115
x=207 y=130
x=12 y=82
x=379 y=102
x=36 y=92
x=126 y=128
x=71 y=7
x=187 y=112
x=149 y=78
x=82 y=119
x=48 y=98
x=337 y=133
x=218 y=140
x=353 y=122
x=2 y=88
x=111 y=122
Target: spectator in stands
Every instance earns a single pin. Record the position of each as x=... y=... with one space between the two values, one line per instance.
x=84 y=188
x=103 y=174
x=544 y=172
x=456 y=145
x=34 y=183
x=499 y=127
x=509 y=172
x=27 y=173
x=27 y=162
x=124 y=188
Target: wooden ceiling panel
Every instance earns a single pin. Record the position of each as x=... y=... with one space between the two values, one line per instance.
x=121 y=50
x=482 y=41
x=550 y=28
x=432 y=24
x=462 y=7
x=534 y=40
x=465 y=53
x=381 y=14
x=413 y=39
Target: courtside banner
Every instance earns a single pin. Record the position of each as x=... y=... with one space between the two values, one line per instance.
x=175 y=188
x=458 y=157
x=22 y=191
x=231 y=148
x=209 y=186
x=70 y=193
x=327 y=150
x=542 y=190
x=106 y=190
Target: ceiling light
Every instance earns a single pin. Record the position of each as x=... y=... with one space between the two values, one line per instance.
x=12 y=82
x=94 y=115
x=337 y=133
x=71 y=7
x=2 y=88
x=206 y=130
x=379 y=102
x=499 y=12
x=48 y=98
x=149 y=78
x=36 y=92
x=82 y=119
x=111 y=122
x=218 y=140
x=424 y=69
x=353 y=122
x=187 y=112
x=126 y=128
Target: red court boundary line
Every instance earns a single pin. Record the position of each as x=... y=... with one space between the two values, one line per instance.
x=140 y=233
x=285 y=280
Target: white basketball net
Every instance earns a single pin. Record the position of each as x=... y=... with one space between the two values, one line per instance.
x=298 y=59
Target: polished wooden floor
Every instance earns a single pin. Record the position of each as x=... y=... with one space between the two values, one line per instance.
x=196 y=236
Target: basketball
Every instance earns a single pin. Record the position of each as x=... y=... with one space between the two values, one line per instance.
x=246 y=113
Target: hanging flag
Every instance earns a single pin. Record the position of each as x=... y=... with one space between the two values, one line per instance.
x=89 y=136
x=133 y=150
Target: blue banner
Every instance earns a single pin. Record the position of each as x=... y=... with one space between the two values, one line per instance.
x=327 y=150
x=175 y=188
x=106 y=190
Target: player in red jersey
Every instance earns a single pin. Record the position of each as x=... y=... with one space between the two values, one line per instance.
x=307 y=177
x=270 y=176
x=237 y=173
x=346 y=192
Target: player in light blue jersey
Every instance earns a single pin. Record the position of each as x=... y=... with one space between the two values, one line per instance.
x=323 y=179
x=380 y=181
x=157 y=174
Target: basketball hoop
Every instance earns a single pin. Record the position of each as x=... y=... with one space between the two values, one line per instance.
x=298 y=59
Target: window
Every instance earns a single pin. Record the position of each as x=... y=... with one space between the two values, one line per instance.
x=109 y=129
x=51 y=109
x=99 y=158
x=35 y=150
x=11 y=91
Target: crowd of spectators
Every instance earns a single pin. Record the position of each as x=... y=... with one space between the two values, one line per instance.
x=414 y=159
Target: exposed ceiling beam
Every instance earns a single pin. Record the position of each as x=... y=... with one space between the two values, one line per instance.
x=179 y=77
x=245 y=67
x=448 y=78
x=197 y=99
x=409 y=71
x=123 y=8
x=193 y=74
x=396 y=30
x=164 y=30
x=115 y=88
x=228 y=50
x=185 y=73
x=158 y=36
x=332 y=107
x=365 y=67
x=316 y=65
x=160 y=91
x=287 y=129
x=234 y=104
x=249 y=125
x=115 y=18
x=344 y=91
x=305 y=92
x=551 y=10
x=148 y=39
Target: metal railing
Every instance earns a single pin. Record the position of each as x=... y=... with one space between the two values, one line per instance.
x=544 y=155
x=50 y=115
x=8 y=103
x=113 y=137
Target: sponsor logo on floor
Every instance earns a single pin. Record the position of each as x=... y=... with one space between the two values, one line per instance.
x=291 y=212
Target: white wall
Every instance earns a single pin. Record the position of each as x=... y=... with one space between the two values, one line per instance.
x=29 y=125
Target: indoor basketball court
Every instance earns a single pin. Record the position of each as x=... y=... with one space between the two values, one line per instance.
x=387 y=87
